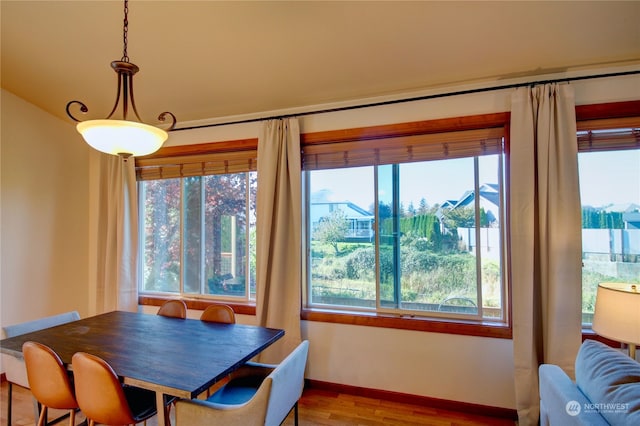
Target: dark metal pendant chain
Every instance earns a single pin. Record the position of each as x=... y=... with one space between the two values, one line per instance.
x=125 y=32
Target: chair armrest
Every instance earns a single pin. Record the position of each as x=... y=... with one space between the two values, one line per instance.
x=196 y=412
x=261 y=365
x=15 y=370
x=559 y=396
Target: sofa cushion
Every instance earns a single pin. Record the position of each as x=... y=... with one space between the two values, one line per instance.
x=611 y=381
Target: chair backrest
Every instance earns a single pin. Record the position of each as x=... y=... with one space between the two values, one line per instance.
x=14 y=367
x=99 y=392
x=40 y=323
x=219 y=313
x=173 y=308
x=287 y=384
x=48 y=377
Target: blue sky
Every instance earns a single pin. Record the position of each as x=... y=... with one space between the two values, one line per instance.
x=609 y=177
x=606 y=178
x=440 y=181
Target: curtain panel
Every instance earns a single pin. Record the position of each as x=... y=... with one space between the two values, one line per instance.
x=117 y=235
x=278 y=239
x=546 y=246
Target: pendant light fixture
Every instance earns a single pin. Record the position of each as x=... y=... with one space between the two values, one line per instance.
x=123 y=137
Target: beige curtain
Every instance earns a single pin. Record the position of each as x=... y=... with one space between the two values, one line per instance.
x=278 y=240
x=116 y=235
x=546 y=246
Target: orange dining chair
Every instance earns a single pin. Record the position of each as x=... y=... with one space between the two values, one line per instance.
x=219 y=313
x=103 y=399
x=173 y=308
x=49 y=381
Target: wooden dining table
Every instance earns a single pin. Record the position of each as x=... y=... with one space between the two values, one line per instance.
x=170 y=356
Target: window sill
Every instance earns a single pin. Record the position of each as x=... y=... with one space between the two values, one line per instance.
x=467 y=328
x=198 y=304
x=588 y=333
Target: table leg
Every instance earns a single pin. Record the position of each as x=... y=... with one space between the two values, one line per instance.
x=9 y=398
x=163 y=418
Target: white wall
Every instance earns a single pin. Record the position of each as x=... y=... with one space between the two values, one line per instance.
x=44 y=219
x=462 y=368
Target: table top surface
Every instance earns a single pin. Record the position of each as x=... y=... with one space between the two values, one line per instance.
x=181 y=357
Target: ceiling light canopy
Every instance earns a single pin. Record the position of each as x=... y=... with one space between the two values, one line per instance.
x=123 y=137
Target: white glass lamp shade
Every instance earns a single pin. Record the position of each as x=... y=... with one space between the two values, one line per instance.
x=119 y=137
x=617 y=312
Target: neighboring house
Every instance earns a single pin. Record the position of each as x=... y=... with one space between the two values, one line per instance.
x=360 y=220
x=632 y=219
x=489 y=202
x=630 y=214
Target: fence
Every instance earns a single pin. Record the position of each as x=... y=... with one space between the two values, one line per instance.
x=616 y=245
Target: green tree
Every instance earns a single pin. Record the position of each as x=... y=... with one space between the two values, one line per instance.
x=384 y=211
x=461 y=217
x=598 y=219
x=332 y=229
x=222 y=197
x=411 y=210
x=423 y=208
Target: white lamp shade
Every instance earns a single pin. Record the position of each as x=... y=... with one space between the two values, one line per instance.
x=617 y=312
x=119 y=137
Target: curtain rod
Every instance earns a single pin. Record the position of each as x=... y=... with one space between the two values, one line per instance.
x=413 y=99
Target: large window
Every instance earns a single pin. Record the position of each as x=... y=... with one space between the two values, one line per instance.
x=410 y=225
x=609 y=167
x=197 y=226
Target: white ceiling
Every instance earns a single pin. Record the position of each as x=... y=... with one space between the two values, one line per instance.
x=210 y=59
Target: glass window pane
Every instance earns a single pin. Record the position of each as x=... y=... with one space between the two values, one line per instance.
x=207 y=242
x=389 y=232
x=342 y=249
x=610 y=196
x=192 y=231
x=253 y=190
x=161 y=231
x=225 y=234
x=426 y=258
x=437 y=232
x=491 y=222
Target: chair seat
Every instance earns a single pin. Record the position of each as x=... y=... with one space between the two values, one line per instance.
x=142 y=402
x=237 y=391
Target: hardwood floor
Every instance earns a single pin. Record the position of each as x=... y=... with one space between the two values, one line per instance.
x=317 y=407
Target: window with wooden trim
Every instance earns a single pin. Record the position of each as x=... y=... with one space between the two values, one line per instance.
x=408 y=223
x=609 y=168
x=197 y=224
